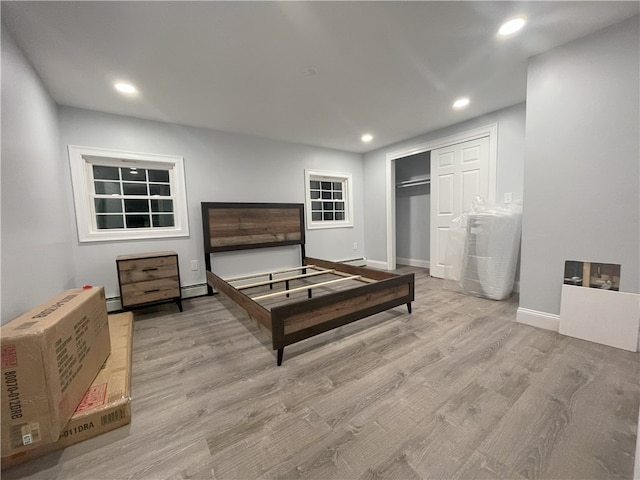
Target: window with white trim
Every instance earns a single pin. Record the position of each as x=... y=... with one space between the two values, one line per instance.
x=127 y=195
x=329 y=199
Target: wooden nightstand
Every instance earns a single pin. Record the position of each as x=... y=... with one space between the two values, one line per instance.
x=147 y=278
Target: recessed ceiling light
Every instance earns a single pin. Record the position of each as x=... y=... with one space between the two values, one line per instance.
x=367 y=137
x=511 y=27
x=126 y=88
x=461 y=102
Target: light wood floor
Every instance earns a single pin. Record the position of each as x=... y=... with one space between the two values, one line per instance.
x=455 y=390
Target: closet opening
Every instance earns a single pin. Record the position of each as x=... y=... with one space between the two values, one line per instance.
x=413 y=192
x=472 y=158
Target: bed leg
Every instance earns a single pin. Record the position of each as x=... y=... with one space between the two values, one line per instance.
x=409 y=307
x=309 y=294
x=280 y=353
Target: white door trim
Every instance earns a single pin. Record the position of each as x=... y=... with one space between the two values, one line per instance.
x=490 y=130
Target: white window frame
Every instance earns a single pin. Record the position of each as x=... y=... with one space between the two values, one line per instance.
x=81 y=161
x=347 y=181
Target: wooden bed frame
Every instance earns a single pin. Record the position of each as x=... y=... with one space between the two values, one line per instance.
x=240 y=226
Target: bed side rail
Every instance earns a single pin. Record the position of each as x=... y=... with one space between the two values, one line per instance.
x=350 y=269
x=253 y=309
x=295 y=322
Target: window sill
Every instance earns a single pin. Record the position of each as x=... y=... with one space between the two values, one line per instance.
x=143 y=234
x=320 y=226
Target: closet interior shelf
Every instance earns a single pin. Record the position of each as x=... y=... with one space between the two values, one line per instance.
x=414 y=182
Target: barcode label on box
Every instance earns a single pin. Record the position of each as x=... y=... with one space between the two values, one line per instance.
x=30 y=433
x=25 y=434
x=16 y=436
x=112 y=417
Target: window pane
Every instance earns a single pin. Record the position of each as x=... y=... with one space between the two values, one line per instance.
x=138 y=174
x=159 y=176
x=162 y=206
x=162 y=190
x=105 y=173
x=337 y=186
x=316 y=205
x=326 y=195
x=339 y=215
x=316 y=216
x=108 y=205
x=107 y=188
x=163 y=220
x=314 y=184
x=106 y=222
x=337 y=195
x=327 y=205
x=328 y=216
x=134 y=188
x=136 y=206
x=339 y=205
x=138 y=221
x=315 y=194
x=326 y=185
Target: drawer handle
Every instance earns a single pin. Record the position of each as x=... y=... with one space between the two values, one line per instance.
x=151 y=291
x=150 y=269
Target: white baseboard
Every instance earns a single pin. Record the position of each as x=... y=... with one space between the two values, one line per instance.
x=403 y=261
x=376 y=264
x=113 y=304
x=548 y=321
x=190 y=291
x=412 y=262
x=186 y=291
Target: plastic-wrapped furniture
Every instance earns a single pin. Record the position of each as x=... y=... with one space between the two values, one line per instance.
x=482 y=250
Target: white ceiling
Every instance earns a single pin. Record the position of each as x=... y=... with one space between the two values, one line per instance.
x=389 y=68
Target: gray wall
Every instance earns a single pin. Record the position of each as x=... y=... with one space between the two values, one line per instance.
x=413 y=210
x=511 y=129
x=36 y=244
x=221 y=167
x=581 y=190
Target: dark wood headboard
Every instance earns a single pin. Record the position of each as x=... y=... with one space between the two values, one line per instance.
x=241 y=226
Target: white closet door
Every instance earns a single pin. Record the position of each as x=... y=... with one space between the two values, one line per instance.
x=459 y=173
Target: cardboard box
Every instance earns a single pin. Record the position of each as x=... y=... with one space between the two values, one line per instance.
x=50 y=357
x=106 y=404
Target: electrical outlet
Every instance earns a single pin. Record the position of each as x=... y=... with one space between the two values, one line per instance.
x=355 y=245
x=194 y=265
x=508 y=197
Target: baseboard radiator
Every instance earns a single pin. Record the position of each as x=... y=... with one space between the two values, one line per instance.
x=186 y=291
x=356 y=262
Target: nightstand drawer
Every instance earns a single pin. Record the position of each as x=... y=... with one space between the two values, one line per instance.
x=144 y=269
x=150 y=291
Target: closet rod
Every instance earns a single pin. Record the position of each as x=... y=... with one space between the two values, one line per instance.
x=413 y=183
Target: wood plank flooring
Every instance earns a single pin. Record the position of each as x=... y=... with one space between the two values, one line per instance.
x=455 y=390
